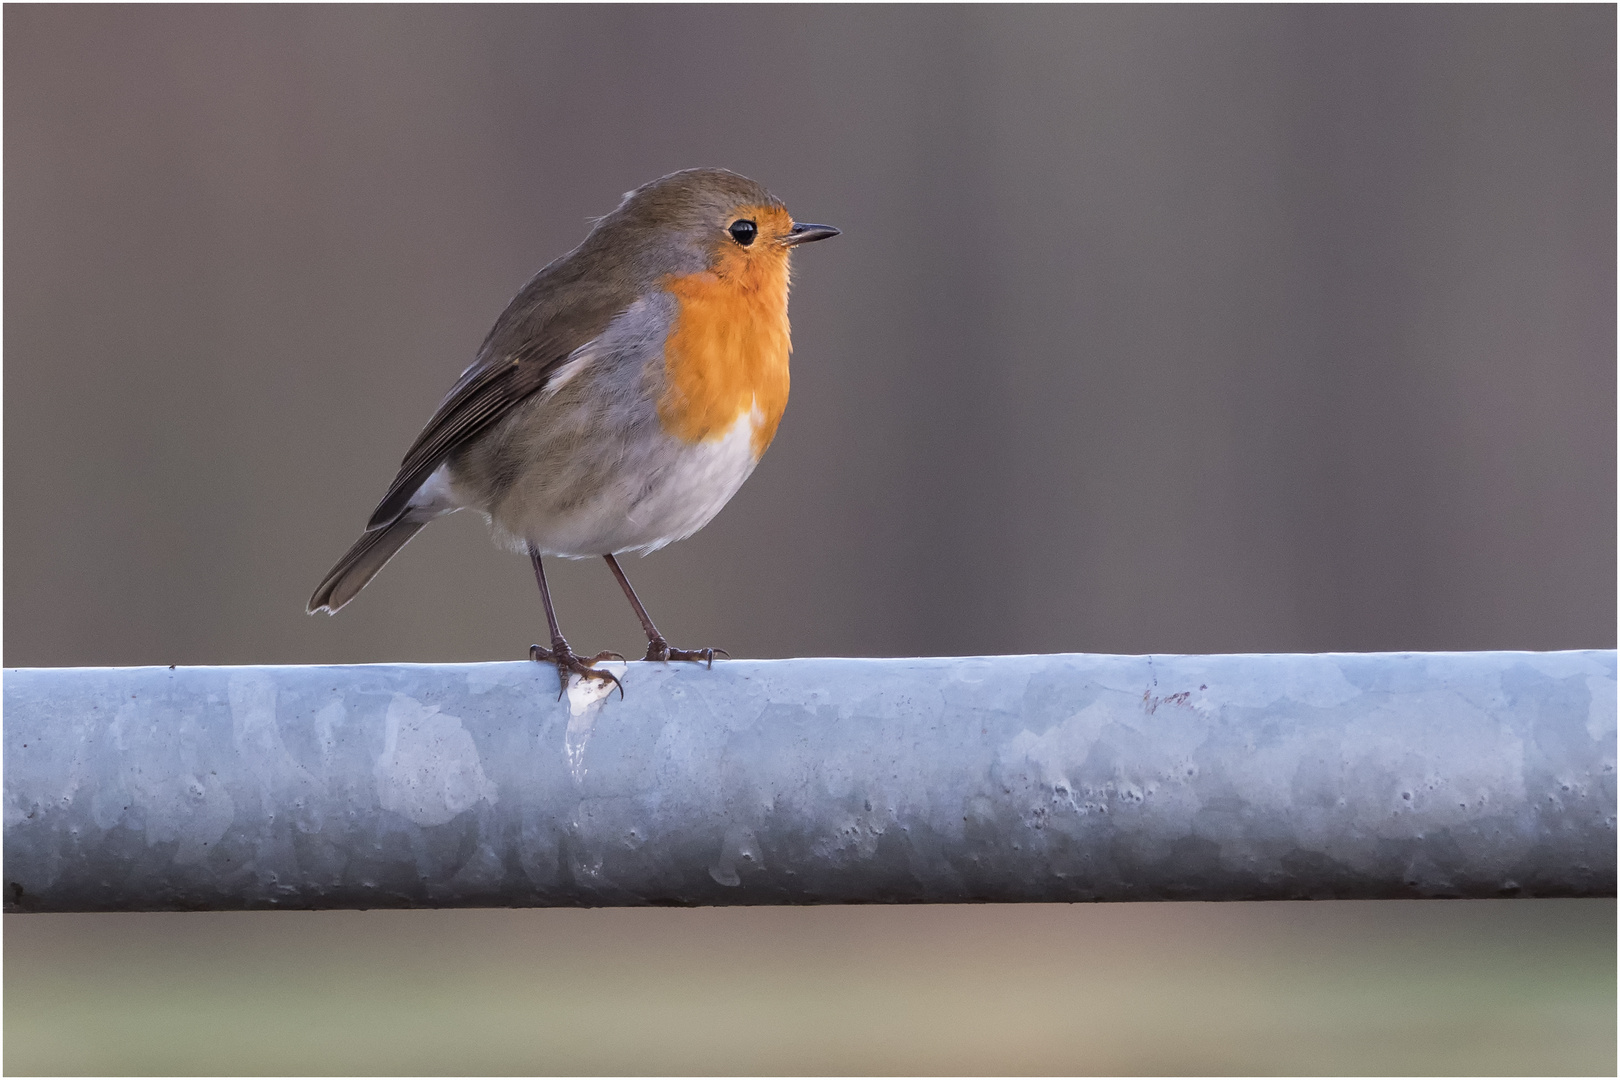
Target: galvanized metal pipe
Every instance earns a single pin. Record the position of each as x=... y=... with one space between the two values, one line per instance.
x=1053 y=778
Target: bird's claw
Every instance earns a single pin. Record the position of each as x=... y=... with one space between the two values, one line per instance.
x=561 y=655
x=659 y=649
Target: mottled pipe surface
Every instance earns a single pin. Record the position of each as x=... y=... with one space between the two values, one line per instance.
x=1010 y=778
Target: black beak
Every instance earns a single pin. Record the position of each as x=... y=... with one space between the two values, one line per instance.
x=804 y=234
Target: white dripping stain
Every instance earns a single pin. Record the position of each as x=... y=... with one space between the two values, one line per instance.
x=429 y=770
x=585 y=697
x=739 y=853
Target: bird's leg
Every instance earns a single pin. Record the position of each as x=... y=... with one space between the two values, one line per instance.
x=657 y=647
x=559 y=653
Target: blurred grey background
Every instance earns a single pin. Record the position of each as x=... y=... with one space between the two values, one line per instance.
x=1151 y=329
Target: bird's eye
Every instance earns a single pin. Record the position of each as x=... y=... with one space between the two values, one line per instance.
x=743 y=231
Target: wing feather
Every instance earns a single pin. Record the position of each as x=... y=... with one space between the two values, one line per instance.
x=512 y=365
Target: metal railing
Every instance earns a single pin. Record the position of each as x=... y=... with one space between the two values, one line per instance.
x=1014 y=778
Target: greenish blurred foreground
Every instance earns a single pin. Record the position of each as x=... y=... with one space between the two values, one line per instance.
x=1494 y=987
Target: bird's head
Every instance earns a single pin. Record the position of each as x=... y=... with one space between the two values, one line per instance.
x=709 y=219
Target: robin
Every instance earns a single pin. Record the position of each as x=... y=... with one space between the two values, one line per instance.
x=620 y=400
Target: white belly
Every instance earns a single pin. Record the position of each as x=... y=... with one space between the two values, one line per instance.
x=657 y=494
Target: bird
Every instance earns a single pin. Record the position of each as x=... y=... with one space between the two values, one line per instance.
x=619 y=401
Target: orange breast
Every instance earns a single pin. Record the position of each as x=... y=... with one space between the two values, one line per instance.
x=727 y=354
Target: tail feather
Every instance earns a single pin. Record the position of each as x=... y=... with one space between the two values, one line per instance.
x=362 y=562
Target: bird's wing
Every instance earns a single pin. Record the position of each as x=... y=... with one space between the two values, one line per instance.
x=517 y=360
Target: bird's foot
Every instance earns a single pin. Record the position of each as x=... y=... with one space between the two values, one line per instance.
x=659 y=649
x=567 y=663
